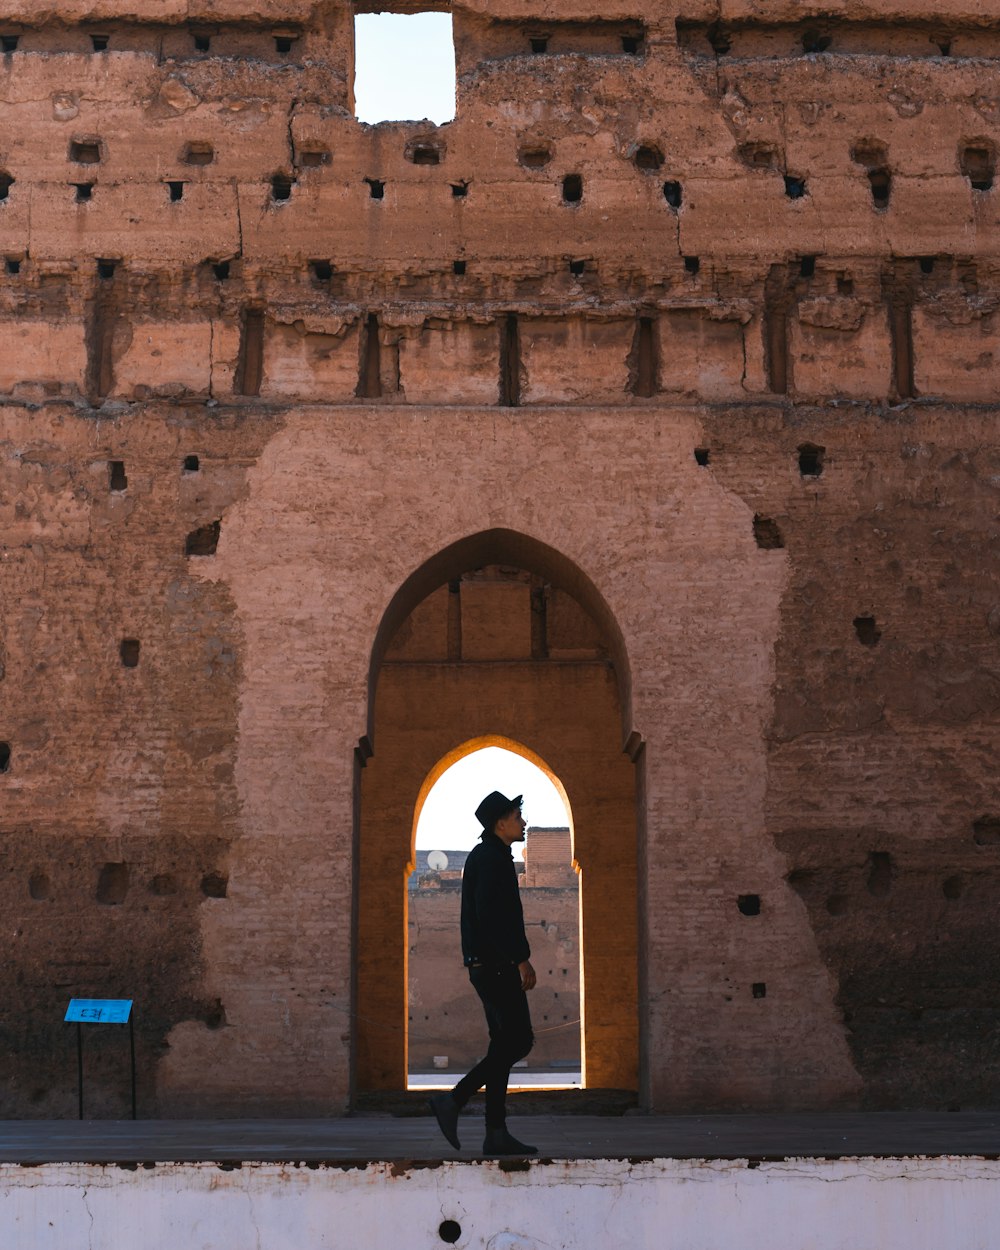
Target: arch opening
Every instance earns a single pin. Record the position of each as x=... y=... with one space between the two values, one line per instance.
x=503 y=548
x=446 y=1034
x=498 y=638
x=485 y=742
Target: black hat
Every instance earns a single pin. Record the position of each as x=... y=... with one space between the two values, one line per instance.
x=494 y=807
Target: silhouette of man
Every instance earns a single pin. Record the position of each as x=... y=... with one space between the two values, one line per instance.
x=498 y=957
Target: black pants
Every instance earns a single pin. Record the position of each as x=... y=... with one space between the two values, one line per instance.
x=509 y=1021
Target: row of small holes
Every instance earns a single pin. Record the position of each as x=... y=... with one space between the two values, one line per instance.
x=977 y=165
x=323 y=270
x=101 y=43
x=976 y=161
x=118 y=479
x=572 y=189
x=631 y=44
x=282 y=184
x=813 y=41
x=811 y=463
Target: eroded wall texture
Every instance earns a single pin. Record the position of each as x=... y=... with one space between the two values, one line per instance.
x=689 y=317
x=829 y=1204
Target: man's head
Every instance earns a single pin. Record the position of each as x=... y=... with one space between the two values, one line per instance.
x=502 y=816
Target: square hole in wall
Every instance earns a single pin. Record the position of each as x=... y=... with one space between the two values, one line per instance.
x=85 y=151
x=321 y=270
x=198 y=152
x=404 y=67
x=312 y=157
x=129 y=649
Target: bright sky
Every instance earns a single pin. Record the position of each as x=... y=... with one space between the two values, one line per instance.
x=448 y=817
x=404 y=67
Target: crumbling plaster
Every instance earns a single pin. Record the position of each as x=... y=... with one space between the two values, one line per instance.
x=819 y=1204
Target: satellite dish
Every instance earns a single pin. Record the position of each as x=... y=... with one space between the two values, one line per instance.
x=437 y=861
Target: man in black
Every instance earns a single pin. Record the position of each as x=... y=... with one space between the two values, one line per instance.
x=498 y=957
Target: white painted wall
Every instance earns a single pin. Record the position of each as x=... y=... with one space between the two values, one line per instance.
x=865 y=1204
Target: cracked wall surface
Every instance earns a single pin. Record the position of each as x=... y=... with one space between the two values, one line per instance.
x=712 y=319
x=830 y=1204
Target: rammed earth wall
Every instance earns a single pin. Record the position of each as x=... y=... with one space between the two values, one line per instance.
x=708 y=346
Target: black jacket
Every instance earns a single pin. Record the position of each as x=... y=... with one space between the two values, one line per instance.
x=492 y=919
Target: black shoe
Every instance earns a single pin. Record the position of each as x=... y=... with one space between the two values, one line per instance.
x=500 y=1142
x=446 y=1111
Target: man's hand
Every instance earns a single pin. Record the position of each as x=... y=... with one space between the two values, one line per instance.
x=528 y=977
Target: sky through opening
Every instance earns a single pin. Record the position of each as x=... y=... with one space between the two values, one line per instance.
x=404 y=67
x=447 y=818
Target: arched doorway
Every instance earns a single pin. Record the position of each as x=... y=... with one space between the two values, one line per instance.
x=446 y=1034
x=499 y=636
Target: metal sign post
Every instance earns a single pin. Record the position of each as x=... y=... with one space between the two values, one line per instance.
x=83 y=1011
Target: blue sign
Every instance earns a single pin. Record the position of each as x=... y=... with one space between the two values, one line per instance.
x=98 y=1011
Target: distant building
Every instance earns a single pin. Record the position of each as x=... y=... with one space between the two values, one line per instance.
x=426 y=877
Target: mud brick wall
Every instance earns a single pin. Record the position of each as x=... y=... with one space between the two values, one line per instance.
x=688 y=324
x=548 y=860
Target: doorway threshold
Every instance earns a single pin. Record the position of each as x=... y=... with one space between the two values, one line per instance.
x=518 y=1080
